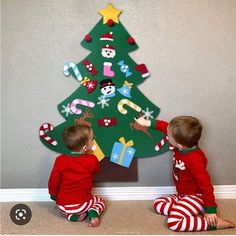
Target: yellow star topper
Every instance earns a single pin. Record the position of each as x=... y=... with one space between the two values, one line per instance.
x=110 y=13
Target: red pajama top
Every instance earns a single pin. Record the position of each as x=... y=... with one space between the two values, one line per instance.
x=71 y=179
x=189 y=172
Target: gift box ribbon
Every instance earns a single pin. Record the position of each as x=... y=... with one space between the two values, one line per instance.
x=85 y=81
x=125 y=145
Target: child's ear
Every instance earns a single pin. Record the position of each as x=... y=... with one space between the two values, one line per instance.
x=84 y=148
x=180 y=146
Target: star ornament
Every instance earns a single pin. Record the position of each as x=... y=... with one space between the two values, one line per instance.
x=110 y=13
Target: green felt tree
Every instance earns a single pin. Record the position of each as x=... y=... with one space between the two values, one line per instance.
x=108 y=98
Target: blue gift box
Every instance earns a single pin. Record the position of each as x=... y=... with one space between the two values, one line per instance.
x=122 y=152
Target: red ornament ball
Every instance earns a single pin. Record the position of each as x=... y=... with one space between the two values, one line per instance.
x=110 y=22
x=131 y=40
x=87 y=38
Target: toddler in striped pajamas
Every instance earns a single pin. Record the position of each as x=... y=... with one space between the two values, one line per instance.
x=71 y=179
x=193 y=208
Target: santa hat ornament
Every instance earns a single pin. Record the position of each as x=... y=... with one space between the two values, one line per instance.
x=107 y=36
x=109 y=47
x=143 y=70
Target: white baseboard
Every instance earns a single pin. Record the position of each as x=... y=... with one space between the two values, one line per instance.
x=110 y=193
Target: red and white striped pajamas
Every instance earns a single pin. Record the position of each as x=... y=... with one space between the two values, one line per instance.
x=185 y=212
x=195 y=196
x=96 y=204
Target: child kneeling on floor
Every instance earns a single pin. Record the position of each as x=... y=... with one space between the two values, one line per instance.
x=193 y=208
x=71 y=180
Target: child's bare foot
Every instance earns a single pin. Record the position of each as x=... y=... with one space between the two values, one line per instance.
x=224 y=224
x=94 y=222
x=82 y=217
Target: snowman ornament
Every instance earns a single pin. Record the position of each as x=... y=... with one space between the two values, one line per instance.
x=107 y=88
x=108 y=51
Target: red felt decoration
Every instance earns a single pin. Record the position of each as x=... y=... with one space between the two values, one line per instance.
x=110 y=22
x=107 y=36
x=107 y=122
x=90 y=67
x=90 y=85
x=87 y=38
x=143 y=70
x=131 y=40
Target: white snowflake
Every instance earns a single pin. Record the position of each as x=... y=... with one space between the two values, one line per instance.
x=125 y=91
x=147 y=114
x=130 y=151
x=103 y=101
x=115 y=157
x=67 y=110
x=90 y=85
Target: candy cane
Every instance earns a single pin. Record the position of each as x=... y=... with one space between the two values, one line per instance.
x=42 y=133
x=127 y=102
x=162 y=143
x=82 y=102
x=75 y=70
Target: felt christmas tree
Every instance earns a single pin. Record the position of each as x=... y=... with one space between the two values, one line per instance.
x=107 y=97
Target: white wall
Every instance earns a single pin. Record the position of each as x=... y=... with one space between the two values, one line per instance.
x=188 y=46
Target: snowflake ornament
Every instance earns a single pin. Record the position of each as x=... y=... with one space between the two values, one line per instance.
x=67 y=110
x=125 y=91
x=103 y=101
x=90 y=85
x=147 y=114
x=115 y=157
x=130 y=151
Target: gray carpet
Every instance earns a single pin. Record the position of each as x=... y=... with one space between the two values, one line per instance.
x=120 y=217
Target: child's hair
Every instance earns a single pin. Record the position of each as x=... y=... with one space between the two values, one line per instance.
x=186 y=130
x=75 y=137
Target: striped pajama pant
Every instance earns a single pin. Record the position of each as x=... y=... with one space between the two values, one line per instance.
x=96 y=204
x=185 y=212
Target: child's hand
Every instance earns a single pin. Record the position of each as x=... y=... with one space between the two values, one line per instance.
x=142 y=121
x=211 y=219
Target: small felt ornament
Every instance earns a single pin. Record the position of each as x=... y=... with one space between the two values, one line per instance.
x=97 y=151
x=164 y=141
x=110 y=13
x=108 y=51
x=88 y=38
x=147 y=114
x=103 y=101
x=90 y=85
x=107 y=122
x=107 y=36
x=143 y=70
x=124 y=68
x=82 y=120
x=75 y=69
x=125 y=89
x=131 y=40
x=122 y=152
x=43 y=130
x=107 y=88
x=135 y=125
x=75 y=102
x=130 y=104
x=110 y=22
x=107 y=69
x=66 y=109
x=90 y=67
